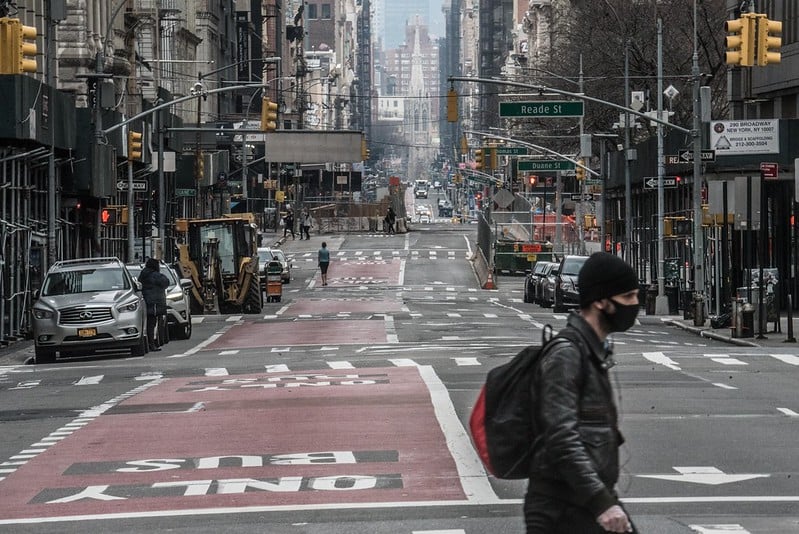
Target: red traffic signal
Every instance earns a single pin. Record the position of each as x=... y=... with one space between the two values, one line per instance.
x=108 y=216
x=533 y=179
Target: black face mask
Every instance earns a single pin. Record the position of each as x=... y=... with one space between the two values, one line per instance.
x=624 y=317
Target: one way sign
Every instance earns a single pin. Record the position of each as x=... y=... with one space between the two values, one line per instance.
x=651 y=182
x=687 y=156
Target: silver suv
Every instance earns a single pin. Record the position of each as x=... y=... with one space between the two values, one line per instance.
x=85 y=305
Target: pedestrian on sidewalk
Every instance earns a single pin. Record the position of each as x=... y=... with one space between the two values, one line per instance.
x=574 y=465
x=324 y=261
x=391 y=218
x=288 y=222
x=153 y=285
x=305 y=224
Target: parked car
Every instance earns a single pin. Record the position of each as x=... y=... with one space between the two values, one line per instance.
x=532 y=279
x=265 y=255
x=546 y=287
x=178 y=302
x=566 y=292
x=86 y=305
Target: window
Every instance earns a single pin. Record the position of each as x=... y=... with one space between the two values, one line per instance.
x=312 y=12
x=326 y=11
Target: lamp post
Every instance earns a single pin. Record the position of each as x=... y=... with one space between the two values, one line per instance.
x=699 y=274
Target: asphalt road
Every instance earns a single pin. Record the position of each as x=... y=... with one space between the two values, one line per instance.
x=343 y=409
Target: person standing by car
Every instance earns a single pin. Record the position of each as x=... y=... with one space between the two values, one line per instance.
x=305 y=224
x=154 y=285
x=324 y=261
x=575 y=459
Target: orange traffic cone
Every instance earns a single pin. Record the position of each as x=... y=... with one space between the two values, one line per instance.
x=490 y=282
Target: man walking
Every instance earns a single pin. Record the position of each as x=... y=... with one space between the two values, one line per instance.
x=288 y=221
x=154 y=285
x=575 y=459
x=305 y=224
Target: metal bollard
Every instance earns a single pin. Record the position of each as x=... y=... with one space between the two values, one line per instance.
x=737 y=317
x=790 y=338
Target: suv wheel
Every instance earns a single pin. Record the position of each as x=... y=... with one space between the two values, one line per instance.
x=141 y=348
x=43 y=355
x=182 y=331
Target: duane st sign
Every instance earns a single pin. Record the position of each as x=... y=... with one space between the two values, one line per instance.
x=545 y=165
x=541 y=109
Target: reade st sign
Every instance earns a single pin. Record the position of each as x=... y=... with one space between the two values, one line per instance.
x=544 y=108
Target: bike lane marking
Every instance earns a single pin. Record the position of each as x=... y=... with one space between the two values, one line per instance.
x=378 y=437
x=303 y=332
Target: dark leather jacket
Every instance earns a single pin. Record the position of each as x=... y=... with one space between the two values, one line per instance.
x=153 y=284
x=575 y=456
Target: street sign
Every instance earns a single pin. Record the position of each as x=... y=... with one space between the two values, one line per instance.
x=587 y=197
x=545 y=165
x=547 y=108
x=651 y=182
x=769 y=171
x=511 y=151
x=139 y=186
x=687 y=156
x=179 y=192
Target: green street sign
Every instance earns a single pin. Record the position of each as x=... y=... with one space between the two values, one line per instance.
x=479 y=179
x=547 y=108
x=545 y=165
x=511 y=151
x=185 y=192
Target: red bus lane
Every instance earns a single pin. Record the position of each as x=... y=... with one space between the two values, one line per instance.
x=328 y=437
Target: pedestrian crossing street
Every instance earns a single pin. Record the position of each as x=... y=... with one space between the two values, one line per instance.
x=382 y=255
x=469 y=355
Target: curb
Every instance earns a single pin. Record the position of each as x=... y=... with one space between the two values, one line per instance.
x=712 y=335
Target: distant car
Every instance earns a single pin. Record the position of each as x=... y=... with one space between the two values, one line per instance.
x=86 y=305
x=566 y=292
x=265 y=255
x=178 y=302
x=445 y=209
x=421 y=192
x=532 y=278
x=437 y=184
x=538 y=290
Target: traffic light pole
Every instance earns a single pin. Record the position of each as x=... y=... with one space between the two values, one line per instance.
x=131 y=214
x=699 y=248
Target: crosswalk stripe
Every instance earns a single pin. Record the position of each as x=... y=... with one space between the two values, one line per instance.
x=466 y=361
x=786 y=358
x=277 y=368
x=403 y=362
x=340 y=365
x=89 y=380
x=216 y=371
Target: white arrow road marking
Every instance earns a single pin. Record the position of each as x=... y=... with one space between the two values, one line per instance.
x=788 y=412
x=710 y=476
x=662 y=359
x=719 y=529
x=89 y=380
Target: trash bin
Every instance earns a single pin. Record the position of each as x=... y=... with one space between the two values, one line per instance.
x=687 y=301
x=274 y=281
x=748 y=320
x=672 y=294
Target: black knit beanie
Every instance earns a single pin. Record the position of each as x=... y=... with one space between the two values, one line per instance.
x=603 y=276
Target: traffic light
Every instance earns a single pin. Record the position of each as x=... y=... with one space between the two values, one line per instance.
x=579 y=170
x=532 y=180
x=768 y=44
x=365 y=153
x=268 y=115
x=478 y=159
x=17 y=47
x=492 y=157
x=199 y=166
x=741 y=41
x=108 y=216
x=452 y=106
x=134 y=145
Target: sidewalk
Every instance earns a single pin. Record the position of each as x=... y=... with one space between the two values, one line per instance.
x=771 y=339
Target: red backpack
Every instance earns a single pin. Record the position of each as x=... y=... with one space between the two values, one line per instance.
x=501 y=423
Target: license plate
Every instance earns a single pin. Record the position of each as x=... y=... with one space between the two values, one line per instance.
x=87 y=332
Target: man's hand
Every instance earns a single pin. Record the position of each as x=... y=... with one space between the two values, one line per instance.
x=615 y=520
